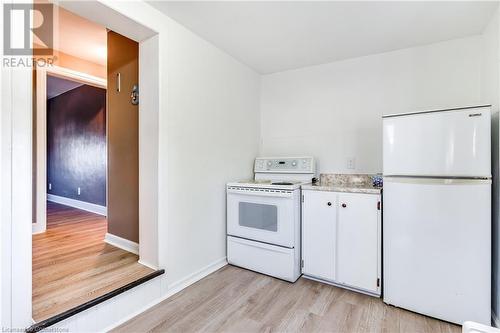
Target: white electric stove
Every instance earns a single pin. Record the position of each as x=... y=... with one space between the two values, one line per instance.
x=263 y=217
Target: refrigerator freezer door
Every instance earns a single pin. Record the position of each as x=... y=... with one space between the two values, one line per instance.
x=448 y=143
x=437 y=247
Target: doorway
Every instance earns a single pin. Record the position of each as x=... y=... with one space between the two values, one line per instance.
x=134 y=20
x=85 y=242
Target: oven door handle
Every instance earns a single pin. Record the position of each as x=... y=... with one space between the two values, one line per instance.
x=261 y=192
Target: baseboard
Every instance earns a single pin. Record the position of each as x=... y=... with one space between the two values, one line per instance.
x=494 y=319
x=37 y=228
x=89 y=207
x=174 y=288
x=122 y=243
x=196 y=276
x=147 y=264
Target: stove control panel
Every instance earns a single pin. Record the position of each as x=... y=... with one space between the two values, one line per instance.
x=285 y=165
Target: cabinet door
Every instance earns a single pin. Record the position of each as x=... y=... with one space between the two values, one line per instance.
x=358 y=241
x=318 y=234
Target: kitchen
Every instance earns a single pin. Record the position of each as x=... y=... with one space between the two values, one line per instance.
x=431 y=251
x=320 y=105
x=355 y=240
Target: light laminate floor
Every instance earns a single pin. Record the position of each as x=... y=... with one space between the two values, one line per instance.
x=237 y=300
x=72 y=264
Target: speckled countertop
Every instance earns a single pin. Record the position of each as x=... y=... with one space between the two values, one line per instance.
x=352 y=183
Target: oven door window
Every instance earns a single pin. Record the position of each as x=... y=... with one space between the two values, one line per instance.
x=258 y=216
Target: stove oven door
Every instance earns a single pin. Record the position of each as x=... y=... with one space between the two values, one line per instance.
x=264 y=215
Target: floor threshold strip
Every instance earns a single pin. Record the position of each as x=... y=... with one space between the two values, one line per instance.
x=77 y=309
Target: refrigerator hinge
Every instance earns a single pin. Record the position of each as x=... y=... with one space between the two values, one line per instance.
x=302 y=198
x=378 y=282
x=302 y=263
x=378 y=205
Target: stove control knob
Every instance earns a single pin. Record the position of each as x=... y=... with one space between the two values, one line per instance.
x=294 y=163
x=269 y=163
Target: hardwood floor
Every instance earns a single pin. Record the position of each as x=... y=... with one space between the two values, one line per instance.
x=72 y=264
x=237 y=300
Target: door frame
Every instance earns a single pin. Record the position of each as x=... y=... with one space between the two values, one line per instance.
x=137 y=21
x=40 y=223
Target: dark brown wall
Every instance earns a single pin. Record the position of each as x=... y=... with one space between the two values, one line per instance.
x=76 y=144
x=123 y=138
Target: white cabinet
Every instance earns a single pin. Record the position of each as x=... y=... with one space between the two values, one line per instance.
x=318 y=250
x=341 y=238
x=358 y=241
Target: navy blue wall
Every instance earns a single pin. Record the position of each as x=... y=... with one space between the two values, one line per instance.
x=76 y=144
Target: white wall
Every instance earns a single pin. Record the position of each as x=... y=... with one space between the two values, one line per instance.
x=490 y=61
x=208 y=130
x=148 y=152
x=208 y=134
x=490 y=94
x=211 y=135
x=333 y=111
x=15 y=179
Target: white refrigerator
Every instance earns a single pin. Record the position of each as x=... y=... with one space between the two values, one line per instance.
x=437 y=213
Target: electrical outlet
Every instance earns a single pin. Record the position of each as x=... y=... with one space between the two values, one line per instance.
x=79 y=191
x=50 y=186
x=351 y=163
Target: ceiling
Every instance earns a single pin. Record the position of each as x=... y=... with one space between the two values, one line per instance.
x=57 y=86
x=80 y=37
x=281 y=35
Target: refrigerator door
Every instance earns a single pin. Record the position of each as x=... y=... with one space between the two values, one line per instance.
x=445 y=143
x=437 y=247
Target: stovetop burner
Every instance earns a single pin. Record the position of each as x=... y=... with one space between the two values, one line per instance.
x=282 y=183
